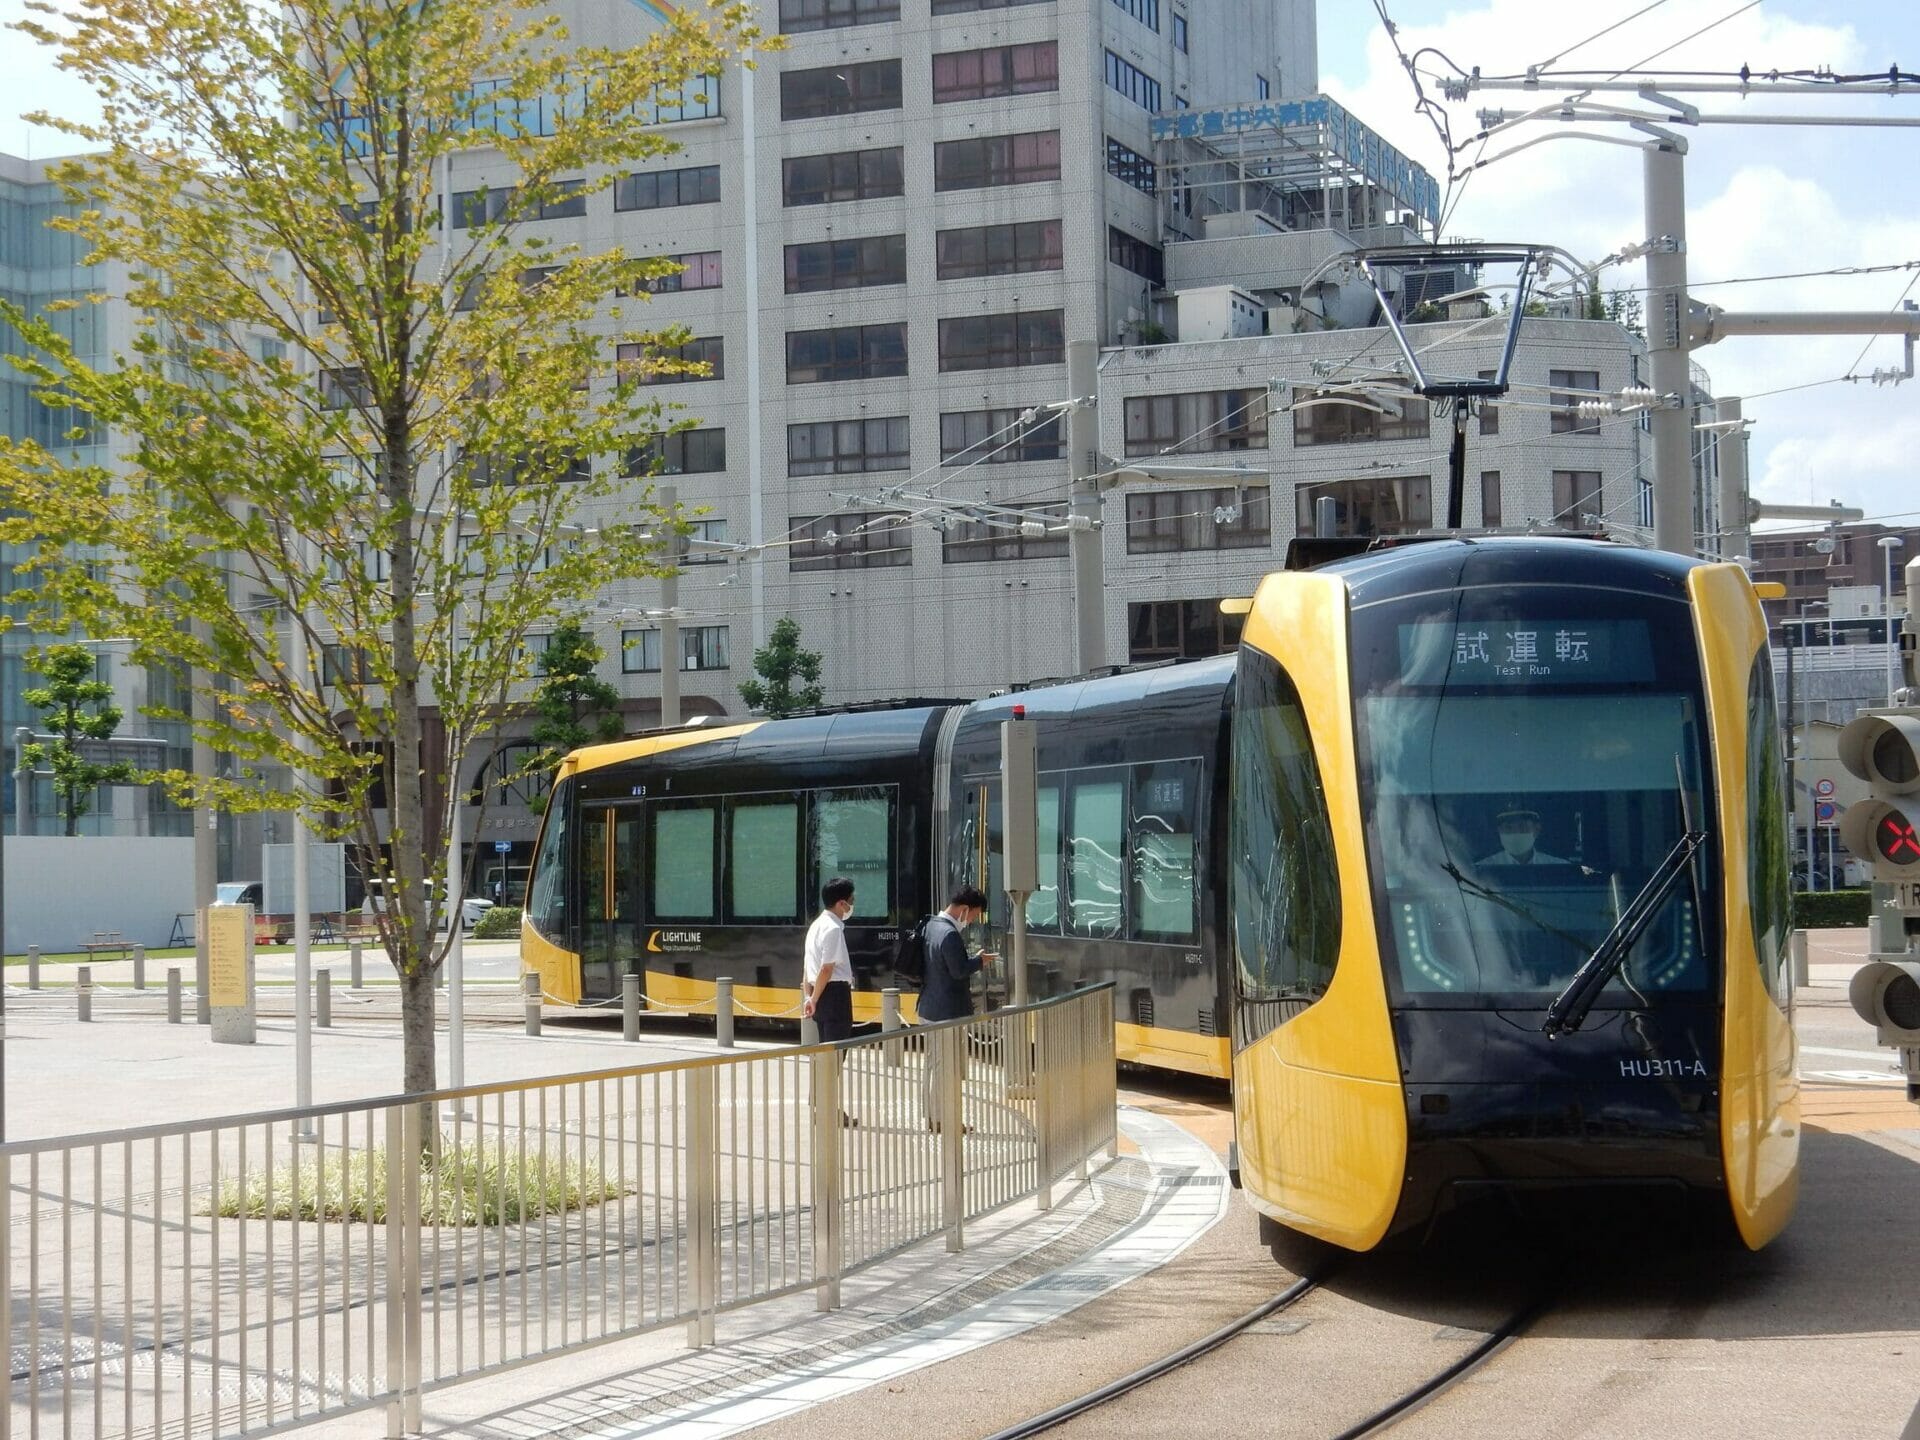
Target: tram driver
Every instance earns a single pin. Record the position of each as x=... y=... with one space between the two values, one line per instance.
x=1519 y=840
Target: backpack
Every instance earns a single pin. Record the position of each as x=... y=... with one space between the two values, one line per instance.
x=910 y=958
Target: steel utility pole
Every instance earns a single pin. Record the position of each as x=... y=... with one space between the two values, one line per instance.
x=1085 y=542
x=1667 y=343
x=668 y=499
x=1736 y=534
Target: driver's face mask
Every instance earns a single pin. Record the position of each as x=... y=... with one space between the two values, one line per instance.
x=1517 y=842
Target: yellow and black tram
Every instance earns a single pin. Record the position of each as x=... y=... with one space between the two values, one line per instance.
x=1468 y=869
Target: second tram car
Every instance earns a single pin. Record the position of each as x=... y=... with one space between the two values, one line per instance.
x=1468 y=870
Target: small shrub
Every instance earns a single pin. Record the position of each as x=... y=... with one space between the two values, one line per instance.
x=502 y=922
x=478 y=1185
x=1831 y=909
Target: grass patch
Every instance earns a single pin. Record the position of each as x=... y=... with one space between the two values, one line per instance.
x=478 y=1185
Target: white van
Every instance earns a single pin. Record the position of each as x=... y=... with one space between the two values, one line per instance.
x=471 y=908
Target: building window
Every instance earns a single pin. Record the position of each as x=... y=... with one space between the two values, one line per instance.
x=847 y=352
x=1131 y=253
x=998 y=437
x=1576 y=494
x=847 y=264
x=1382 y=505
x=798 y=15
x=643 y=364
x=344 y=387
x=680 y=452
x=540 y=468
x=699 y=270
x=1180 y=33
x=1136 y=85
x=845 y=176
x=1196 y=422
x=1147 y=12
x=996 y=160
x=1489 y=498
x=1003 y=538
x=1489 y=410
x=704 y=647
x=1565 y=383
x=639 y=652
x=1340 y=422
x=712 y=531
x=848 y=447
x=490 y=206
x=1180 y=630
x=992 y=342
x=344 y=665
x=1000 y=70
x=840 y=90
x=1159 y=521
x=1131 y=166
x=665 y=189
x=1262 y=90
x=962 y=7
x=851 y=540
x=998 y=250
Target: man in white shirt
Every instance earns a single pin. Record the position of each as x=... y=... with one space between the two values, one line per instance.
x=1519 y=833
x=828 y=982
x=827 y=985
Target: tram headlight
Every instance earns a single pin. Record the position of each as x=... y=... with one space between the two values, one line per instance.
x=1884 y=828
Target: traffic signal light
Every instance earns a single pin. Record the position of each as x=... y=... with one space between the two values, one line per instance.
x=1886 y=994
x=1884 y=828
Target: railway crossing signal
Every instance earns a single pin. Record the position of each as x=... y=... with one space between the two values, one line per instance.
x=1886 y=994
x=1884 y=828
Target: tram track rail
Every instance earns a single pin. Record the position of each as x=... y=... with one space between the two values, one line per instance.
x=1377 y=1422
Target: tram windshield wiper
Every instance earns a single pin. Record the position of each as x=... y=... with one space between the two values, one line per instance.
x=1570 y=1007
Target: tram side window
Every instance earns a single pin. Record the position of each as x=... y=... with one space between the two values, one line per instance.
x=1096 y=821
x=683 y=846
x=1162 y=845
x=1285 y=883
x=763 y=860
x=1767 y=859
x=1043 y=906
x=853 y=836
x=546 y=900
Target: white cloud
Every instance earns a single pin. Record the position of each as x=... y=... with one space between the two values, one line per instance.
x=1762 y=200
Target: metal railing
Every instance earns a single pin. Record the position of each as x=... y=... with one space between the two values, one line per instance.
x=242 y=1274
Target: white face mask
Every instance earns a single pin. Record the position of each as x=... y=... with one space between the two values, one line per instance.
x=1517 y=843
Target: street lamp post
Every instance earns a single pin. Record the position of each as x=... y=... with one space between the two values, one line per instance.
x=1888 y=544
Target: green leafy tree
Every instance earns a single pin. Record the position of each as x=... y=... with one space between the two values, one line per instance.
x=1625 y=309
x=397 y=434
x=77 y=706
x=779 y=664
x=572 y=705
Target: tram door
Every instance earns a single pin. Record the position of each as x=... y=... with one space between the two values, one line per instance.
x=610 y=876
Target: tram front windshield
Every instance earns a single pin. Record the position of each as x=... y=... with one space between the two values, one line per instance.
x=1530 y=756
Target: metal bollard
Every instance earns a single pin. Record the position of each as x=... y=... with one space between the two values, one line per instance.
x=353 y=959
x=630 y=1006
x=890 y=1023
x=33 y=967
x=323 y=999
x=723 y=1012
x=1797 y=949
x=530 y=984
x=139 y=967
x=83 y=992
x=173 y=994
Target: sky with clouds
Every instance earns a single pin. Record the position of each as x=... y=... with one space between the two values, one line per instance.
x=1762 y=200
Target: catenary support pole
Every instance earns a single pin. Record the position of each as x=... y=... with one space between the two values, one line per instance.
x=669 y=500
x=1084 y=537
x=1667 y=345
x=1736 y=536
x=206 y=836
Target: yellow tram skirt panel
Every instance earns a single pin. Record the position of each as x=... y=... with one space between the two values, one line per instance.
x=1760 y=1094
x=1318 y=1105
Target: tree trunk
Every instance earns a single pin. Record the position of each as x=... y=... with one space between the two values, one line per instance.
x=416 y=1021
